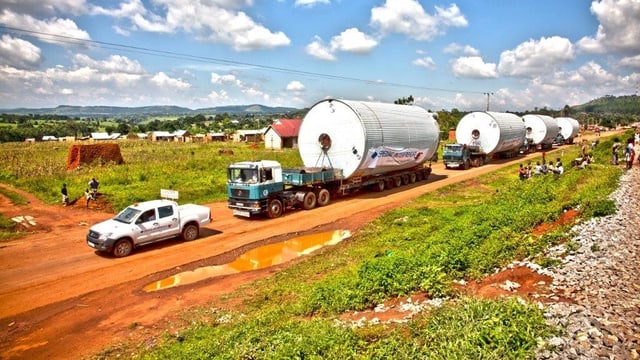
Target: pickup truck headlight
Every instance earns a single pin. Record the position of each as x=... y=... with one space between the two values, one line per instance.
x=105 y=236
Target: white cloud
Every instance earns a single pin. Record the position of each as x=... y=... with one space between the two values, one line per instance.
x=61 y=27
x=619 y=29
x=536 y=57
x=218 y=97
x=46 y=7
x=408 y=17
x=295 y=86
x=310 y=3
x=216 y=21
x=163 y=80
x=319 y=50
x=473 y=67
x=631 y=62
x=113 y=64
x=354 y=41
x=425 y=62
x=19 y=53
x=455 y=48
x=224 y=79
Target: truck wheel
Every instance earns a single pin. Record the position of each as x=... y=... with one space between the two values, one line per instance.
x=467 y=165
x=122 y=248
x=309 y=200
x=397 y=181
x=405 y=179
x=379 y=186
x=275 y=208
x=412 y=178
x=390 y=183
x=324 y=197
x=190 y=232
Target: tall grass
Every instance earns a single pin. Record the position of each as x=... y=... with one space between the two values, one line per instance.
x=196 y=170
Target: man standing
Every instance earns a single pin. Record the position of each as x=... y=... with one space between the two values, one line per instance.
x=65 y=195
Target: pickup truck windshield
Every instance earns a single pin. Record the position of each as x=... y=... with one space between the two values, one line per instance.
x=127 y=215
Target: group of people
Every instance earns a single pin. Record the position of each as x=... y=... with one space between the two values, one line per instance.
x=541 y=168
x=90 y=193
x=629 y=150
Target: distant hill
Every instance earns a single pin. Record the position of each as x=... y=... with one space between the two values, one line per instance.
x=160 y=110
x=628 y=104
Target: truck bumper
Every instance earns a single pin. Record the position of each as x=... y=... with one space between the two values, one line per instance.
x=100 y=245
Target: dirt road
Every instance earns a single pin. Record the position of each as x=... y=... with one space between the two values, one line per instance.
x=60 y=299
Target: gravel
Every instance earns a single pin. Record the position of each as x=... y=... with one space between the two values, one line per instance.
x=599 y=284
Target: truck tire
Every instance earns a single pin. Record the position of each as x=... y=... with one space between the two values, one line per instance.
x=412 y=178
x=467 y=165
x=324 y=197
x=274 y=208
x=379 y=186
x=122 y=248
x=397 y=181
x=390 y=183
x=190 y=232
x=405 y=179
x=309 y=200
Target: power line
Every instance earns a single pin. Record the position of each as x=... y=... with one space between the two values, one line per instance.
x=206 y=59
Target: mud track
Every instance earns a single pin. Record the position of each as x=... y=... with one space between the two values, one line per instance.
x=60 y=300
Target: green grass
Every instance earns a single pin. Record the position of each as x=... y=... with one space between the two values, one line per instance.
x=462 y=231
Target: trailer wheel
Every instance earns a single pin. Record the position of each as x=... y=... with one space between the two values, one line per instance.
x=275 y=208
x=309 y=200
x=397 y=181
x=405 y=179
x=480 y=161
x=467 y=165
x=390 y=183
x=379 y=186
x=412 y=178
x=324 y=197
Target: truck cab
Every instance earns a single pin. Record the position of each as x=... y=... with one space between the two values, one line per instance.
x=463 y=156
x=250 y=185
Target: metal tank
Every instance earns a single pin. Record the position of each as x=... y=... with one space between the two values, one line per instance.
x=494 y=132
x=366 y=138
x=540 y=129
x=568 y=127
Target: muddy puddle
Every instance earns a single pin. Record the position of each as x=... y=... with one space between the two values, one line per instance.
x=258 y=258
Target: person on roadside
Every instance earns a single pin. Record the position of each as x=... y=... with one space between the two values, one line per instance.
x=614 y=150
x=93 y=185
x=558 y=169
x=522 y=172
x=88 y=195
x=65 y=195
x=537 y=170
x=630 y=153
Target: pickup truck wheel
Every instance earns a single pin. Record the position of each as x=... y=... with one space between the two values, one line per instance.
x=122 y=248
x=190 y=232
x=275 y=208
x=309 y=200
x=324 y=197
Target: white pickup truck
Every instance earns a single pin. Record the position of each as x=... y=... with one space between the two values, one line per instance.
x=145 y=223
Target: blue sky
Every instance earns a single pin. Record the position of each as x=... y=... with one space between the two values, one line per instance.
x=525 y=54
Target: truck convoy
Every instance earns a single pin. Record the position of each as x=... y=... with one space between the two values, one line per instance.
x=145 y=223
x=345 y=146
x=481 y=136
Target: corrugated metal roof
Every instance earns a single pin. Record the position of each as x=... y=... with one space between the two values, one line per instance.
x=287 y=127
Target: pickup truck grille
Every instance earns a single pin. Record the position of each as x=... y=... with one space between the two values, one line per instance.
x=93 y=234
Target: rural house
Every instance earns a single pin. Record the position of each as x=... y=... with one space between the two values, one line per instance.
x=248 y=135
x=283 y=133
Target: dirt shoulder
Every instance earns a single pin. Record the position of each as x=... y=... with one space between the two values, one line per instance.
x=61 y=300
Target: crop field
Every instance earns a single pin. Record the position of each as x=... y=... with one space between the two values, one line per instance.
x=196 y=170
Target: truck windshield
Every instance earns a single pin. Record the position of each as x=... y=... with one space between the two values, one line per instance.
x=127 y=215
x=242 y=175
x=453 y=148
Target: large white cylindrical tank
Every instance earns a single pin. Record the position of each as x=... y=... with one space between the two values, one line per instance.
x=494 y=132
x=540 y=129
x=367 y=138
x=568 y=127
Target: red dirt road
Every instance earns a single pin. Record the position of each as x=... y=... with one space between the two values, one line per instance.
x=59 y=299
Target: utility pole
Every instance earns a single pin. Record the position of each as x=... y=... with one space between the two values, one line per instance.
x=488 y=99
